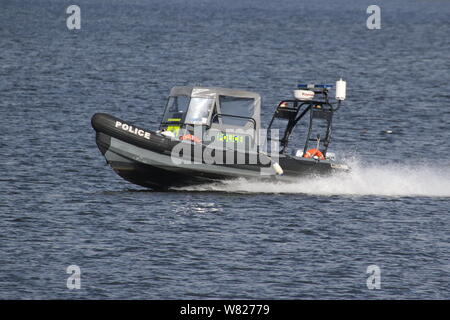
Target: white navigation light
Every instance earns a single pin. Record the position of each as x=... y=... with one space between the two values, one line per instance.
x=277 y=168
x=341 y=89
x=304 y=95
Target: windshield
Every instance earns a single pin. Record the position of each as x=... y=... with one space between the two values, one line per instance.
x=176 y=109
x=199 y=110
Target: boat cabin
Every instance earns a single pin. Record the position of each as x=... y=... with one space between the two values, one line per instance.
x=212 y=108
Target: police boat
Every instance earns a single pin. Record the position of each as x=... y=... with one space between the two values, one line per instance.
x=210 y=134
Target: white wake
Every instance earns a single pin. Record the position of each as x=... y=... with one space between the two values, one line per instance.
x=376 y=180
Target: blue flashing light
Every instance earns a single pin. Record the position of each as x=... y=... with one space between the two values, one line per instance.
x=314 y=86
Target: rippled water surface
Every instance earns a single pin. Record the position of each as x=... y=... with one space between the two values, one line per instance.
x=61 y=205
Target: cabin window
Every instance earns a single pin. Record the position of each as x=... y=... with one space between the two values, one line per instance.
x=199 y=110
x=176 y=108
x=243 y=107
x=178 y=104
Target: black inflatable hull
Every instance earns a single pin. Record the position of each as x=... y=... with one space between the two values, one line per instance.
x=143 y=157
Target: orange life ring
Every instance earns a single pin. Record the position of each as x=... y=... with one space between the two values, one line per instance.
x=311 y=153
x=190 y=137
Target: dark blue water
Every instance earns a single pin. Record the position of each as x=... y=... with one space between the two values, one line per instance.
x=60 y=205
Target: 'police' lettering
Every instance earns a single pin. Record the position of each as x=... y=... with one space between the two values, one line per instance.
x=131 y=129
